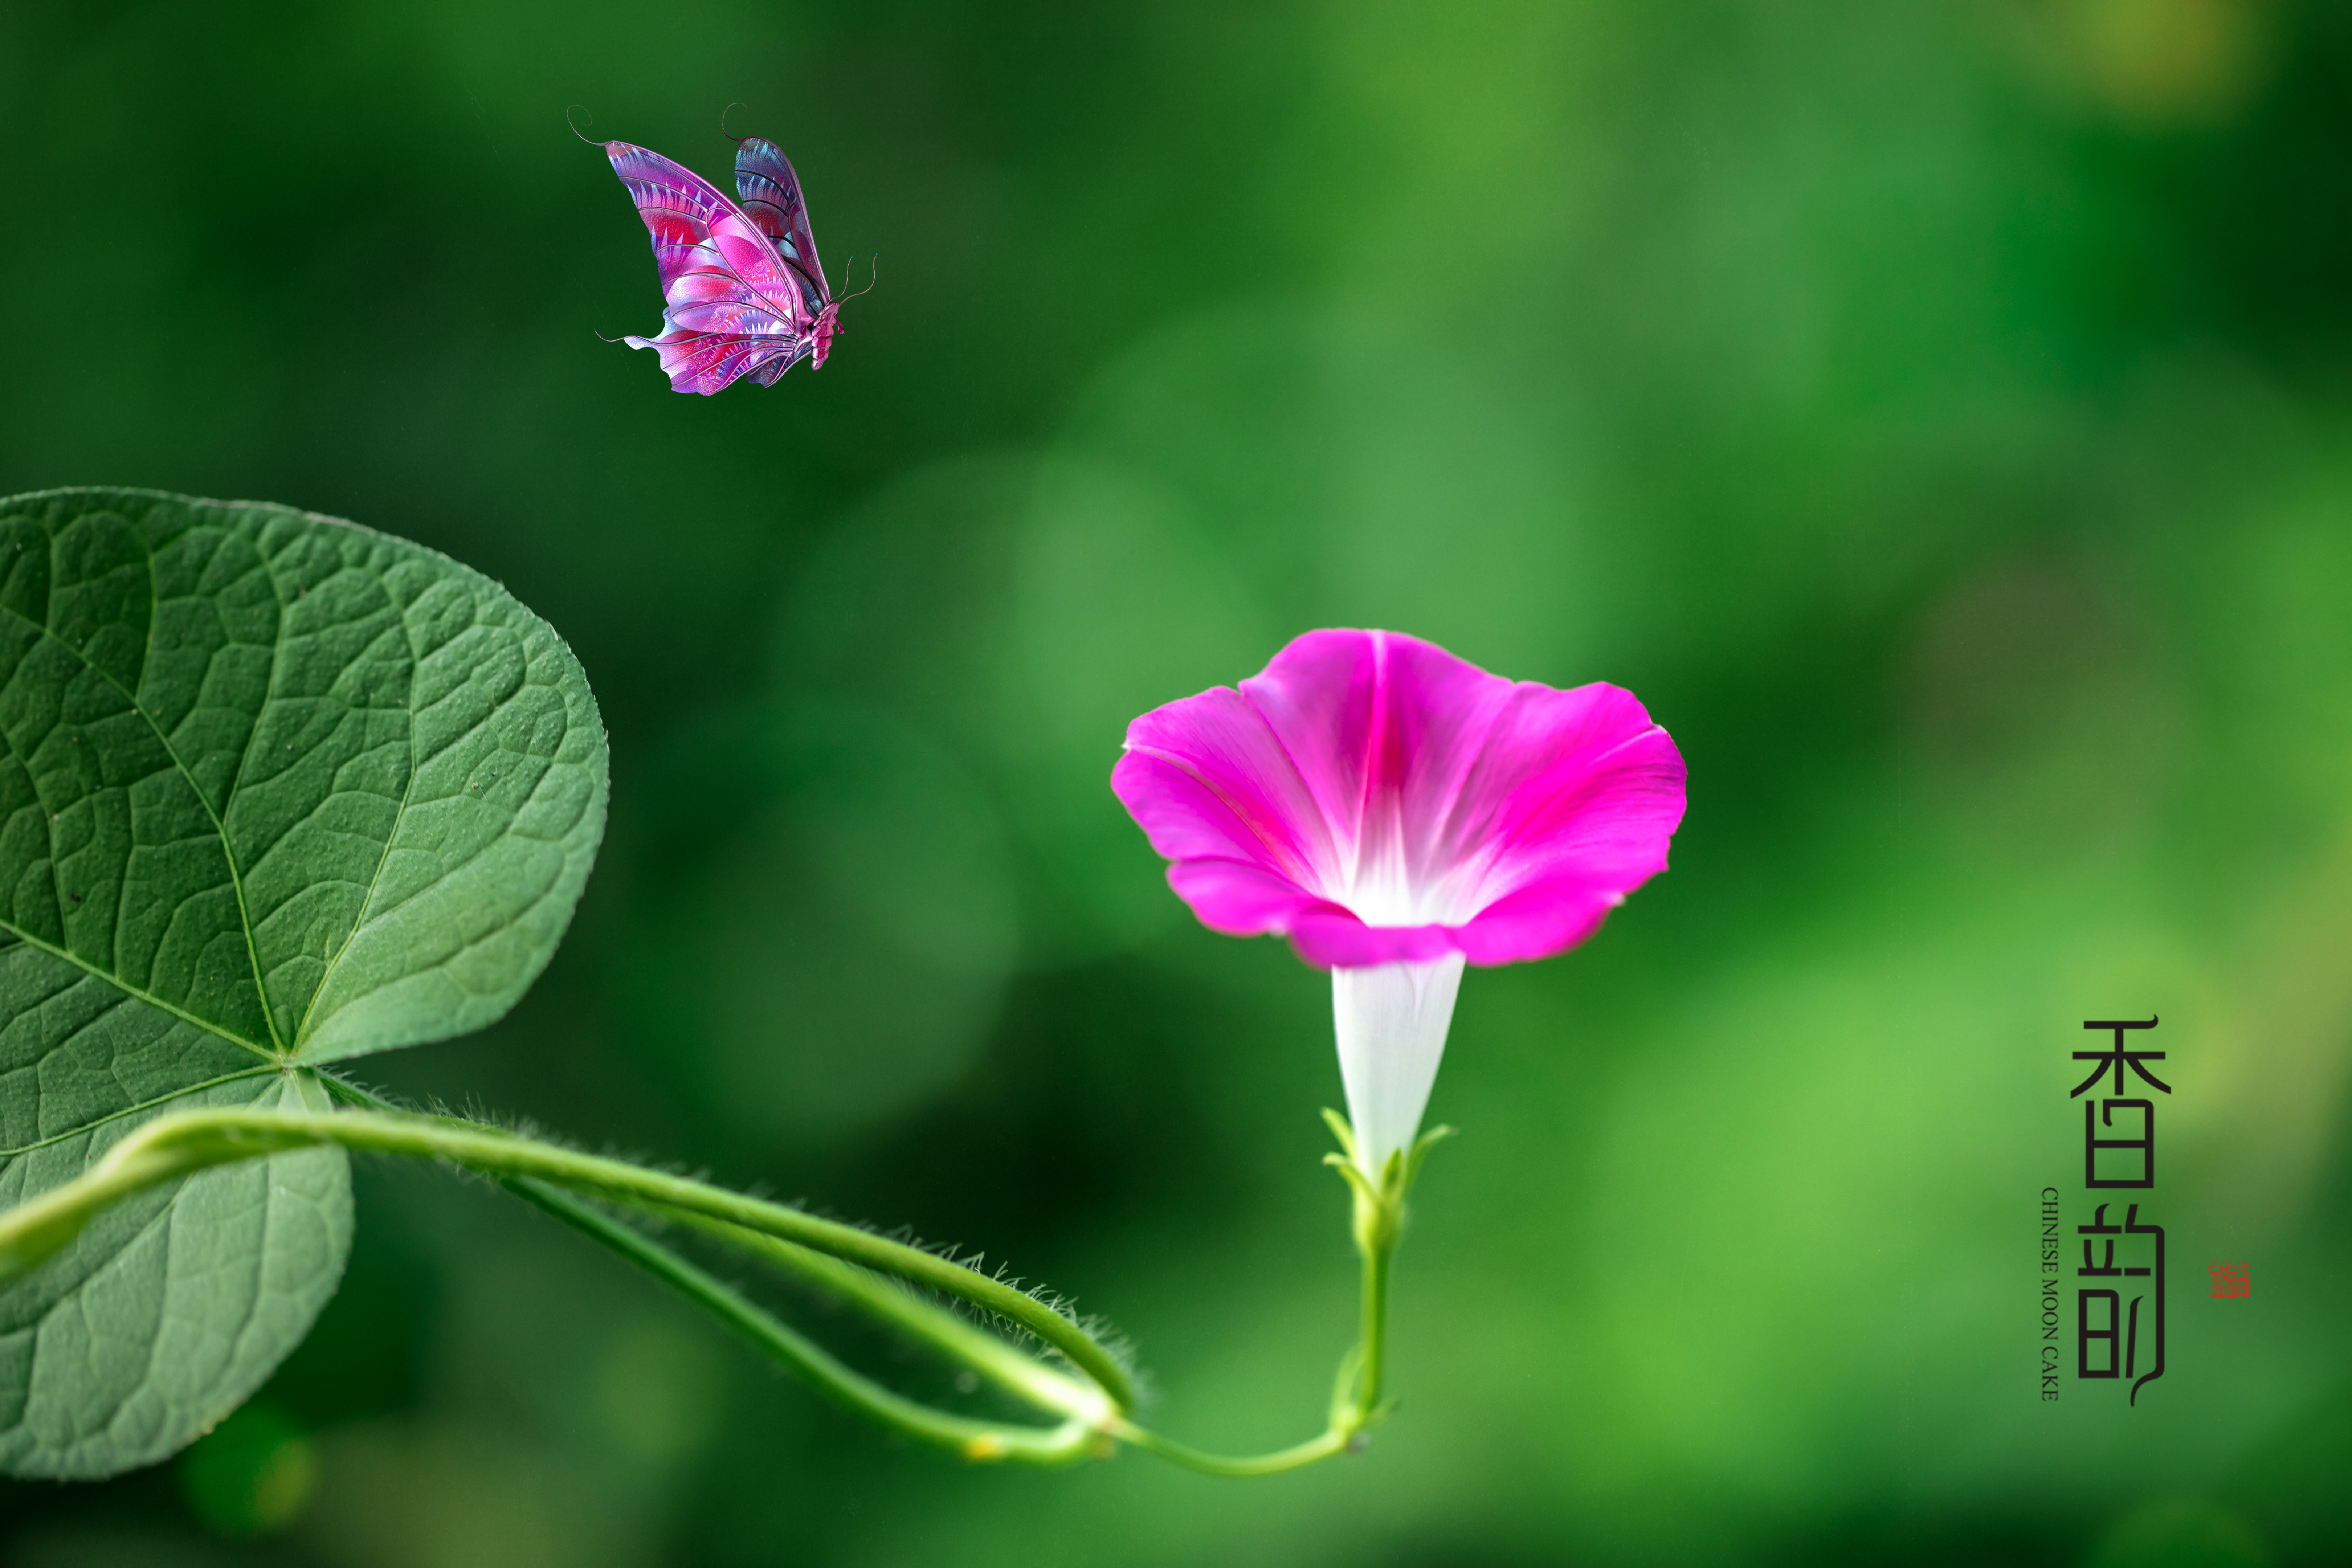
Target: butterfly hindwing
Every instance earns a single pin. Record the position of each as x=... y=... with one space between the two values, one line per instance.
x=771 y=199
x=733 y=305
x=773 y=370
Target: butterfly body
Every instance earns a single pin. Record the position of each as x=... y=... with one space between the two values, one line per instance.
x=744 y=293
x=828 y=321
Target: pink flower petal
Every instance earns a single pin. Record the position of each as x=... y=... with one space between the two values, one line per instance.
x=1330 y=937
x=1535 y=922
x=1242 y=900
x=1381 y=801
x=1577 y=783
x=1204 y=776
x=1383 y=728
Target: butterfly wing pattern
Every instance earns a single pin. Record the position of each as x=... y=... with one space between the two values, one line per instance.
x=771 y=199
x=734 y=306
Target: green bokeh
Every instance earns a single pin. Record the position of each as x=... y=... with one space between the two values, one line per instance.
x=1938 y=414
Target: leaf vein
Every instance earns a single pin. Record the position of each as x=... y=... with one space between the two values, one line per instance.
x=148 y=1104
x=400 y=814
x=209 y=1027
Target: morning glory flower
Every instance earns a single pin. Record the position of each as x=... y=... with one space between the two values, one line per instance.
x=1397 y=811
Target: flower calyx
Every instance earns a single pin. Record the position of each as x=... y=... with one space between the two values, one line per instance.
x=1379 y=1204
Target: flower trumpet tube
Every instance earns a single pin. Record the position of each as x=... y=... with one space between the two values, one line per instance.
x=1391 y=1020
x=1397 y=812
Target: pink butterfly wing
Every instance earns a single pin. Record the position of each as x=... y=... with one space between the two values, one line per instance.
x=734 y=306
x=772 y=198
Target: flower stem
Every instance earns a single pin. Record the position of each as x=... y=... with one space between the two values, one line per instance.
x=1373 y=1355
x=1298 y=1457
x=1356 y=1396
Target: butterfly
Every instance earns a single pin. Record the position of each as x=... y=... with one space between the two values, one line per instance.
x=745 y=293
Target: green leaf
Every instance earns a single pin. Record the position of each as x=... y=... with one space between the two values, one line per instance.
x=274 y=790
x=169 y=1310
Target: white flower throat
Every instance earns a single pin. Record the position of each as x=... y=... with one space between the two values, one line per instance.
x=1390 y=885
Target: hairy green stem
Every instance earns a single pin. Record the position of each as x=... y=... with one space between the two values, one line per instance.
x=861 y=1396
x=190 y=1140
x=984 y=1354
x=850 y=1263
x=886 y=1299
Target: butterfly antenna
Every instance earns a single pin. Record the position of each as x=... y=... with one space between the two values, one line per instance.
x=874 y=275
x=723 y=113
x=576 y=131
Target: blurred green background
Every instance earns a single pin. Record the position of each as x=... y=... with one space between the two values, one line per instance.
x=1939 y=414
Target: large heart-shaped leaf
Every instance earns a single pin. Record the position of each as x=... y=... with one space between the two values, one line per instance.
x=273 y=790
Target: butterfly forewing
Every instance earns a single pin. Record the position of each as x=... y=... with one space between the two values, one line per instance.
x=771 y=199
